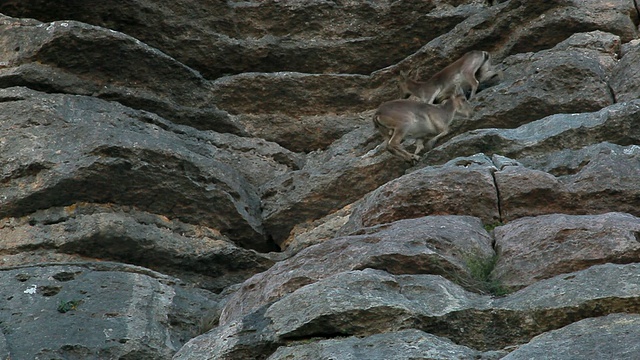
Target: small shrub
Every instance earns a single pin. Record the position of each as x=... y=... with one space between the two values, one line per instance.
x=208 y=321
x=65 y=306
x=490 y=227
x=480 y=279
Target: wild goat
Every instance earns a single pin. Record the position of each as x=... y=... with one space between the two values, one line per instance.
x=471 y=69
x=398 y=119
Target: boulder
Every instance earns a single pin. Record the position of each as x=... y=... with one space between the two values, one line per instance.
x=399 y=345
x=63 y=149
x=606 y=182
x=76 y=58
x=534 y=248
x=606 y=337
x=617 y=124
x=435 y=245
x=463 y=186
x=625 y=78
x=95 y=310
x=385 y=303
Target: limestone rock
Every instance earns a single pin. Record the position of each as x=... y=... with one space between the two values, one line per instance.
x=434 y=244
x=607 y=337
x=329 y=180
x=93 y=310
x=400 y=345
x=76 y=58
x=535 y=248
x=90 y=231
x=615 y=124
x=624 y=79
x=607 y=182
x=61 y=149
x=464 y=186
x=569 y=78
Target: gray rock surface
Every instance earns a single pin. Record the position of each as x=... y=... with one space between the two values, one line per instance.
x=401 y=345
x=195 y=180
x=534 y=248
x=607 y=337
x=91 y=310
x=434 y=245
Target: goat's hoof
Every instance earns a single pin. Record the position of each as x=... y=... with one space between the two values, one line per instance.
x=414 y=159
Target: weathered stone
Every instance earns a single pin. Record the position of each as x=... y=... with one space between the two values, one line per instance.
x=400 y=345
x=569 y=78
x=388 y=303
x=618 y=123
x=571 y=161
x=195 y=253
x=269 y=36
x=329 y=180
x=607 y=337
x=464 y=186
x=90 y=311
x=76 y=58
x=608 y=182
x=61 y=149
x=248 y=338
x=535 y=248
x=303 y=133
x=317 y=231
x=434 y=244
x=625 y=79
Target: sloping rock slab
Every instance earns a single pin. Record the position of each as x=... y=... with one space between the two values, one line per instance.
x=463 y=186
x=329 y=180
x=76 y=58
x=386 y=303
x=196 y=253
x=90 y=311
x=608 y=337
x=62 y=149
x=269 y=36
x=625 y=79
x=609 y=181
x=569 y=78
x=535 y=248
x=618 y=123
x=389 y=303
x=400 y=345
x=433 y=244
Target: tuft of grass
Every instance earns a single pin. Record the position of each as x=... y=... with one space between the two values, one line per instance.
x=479 y=279
x=490 y=227
x=208 y=321
x=66 y=306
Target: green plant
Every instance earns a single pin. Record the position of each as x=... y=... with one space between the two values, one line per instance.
x=480 y=279
x=208 y=321
x=490 y=227
x=65 y=306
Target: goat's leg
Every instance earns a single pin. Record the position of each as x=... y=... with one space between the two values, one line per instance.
x=433 y=140
x=395 y=147
x=474 y=86
x=386 y=135
x=419 y=146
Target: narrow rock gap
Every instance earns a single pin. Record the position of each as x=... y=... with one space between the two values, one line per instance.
x=612 y=93
x=635 y=5
x=495 y=184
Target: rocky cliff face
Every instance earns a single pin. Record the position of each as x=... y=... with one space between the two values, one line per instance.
x=190 y=180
